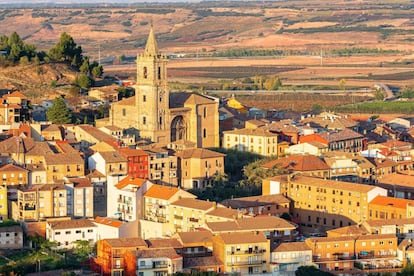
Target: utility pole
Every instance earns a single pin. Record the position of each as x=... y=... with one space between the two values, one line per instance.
x=321 y=57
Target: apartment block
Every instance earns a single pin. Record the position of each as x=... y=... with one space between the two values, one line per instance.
x=244 y=253
x=288 y=256
x=383 y=207
x=258 y=141
x=40 y=202
x=319 y=205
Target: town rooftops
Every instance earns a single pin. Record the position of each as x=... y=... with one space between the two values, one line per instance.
x=291 y=246
x=332 y=184
x=193 y=203
x=161 y=192
x=16 y=94
x=353 y=230
x=400 y=203
x=112 y=157
x=169 y=253
x=242 y=238
x=199 y=153
x=261 y=223
x=398 y=179
x=298 y=163
x=342 y=135
x=133 y=181
x=70 y=224
x=195 y=238
x=109 y=222
x=198 y=262
x=80 y=182
x=224 y=213
x=126 y=242
x=11 y=228
x=251 y=132
x=96 y=133
x=163 y=243
x=12 y=168
x=252 y=201
x=351 y=238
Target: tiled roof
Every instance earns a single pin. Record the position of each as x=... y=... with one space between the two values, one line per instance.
x=199 y=153
x=342 y=135
x=350 y=238
x=224 y=213
x=126 y=242
x=63 y=158
x=387 y=222
x=15 y=94
x=97 y=133
x=332 y=184
x=161 y=192
x=317 y=144
x=251 y=132
x=251 y=201
x=189 y=238
x=395 y=144
x=163 y=243
x=70 y=224
x=109 y=222
x=250 y=224
x=242 y=238
x=382 y=162
x=169 y=253
x=134 y=181
x=291 y=246
x=179 y=99
x=353 y=230
x=208 y=261
x=11 y=168
x=12 y=228
x=80 y=182
x=398 y=179
x=127 y=152
x=127 y=101
x=392 y=201
x=298 y=163
x=194 y=204
x=112 y=157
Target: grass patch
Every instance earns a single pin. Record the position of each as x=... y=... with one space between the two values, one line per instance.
x=379 y=107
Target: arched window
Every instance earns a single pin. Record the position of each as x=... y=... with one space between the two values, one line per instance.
x=145 y=73
x=204 y=133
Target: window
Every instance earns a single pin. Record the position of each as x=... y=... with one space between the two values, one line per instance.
x=204 y=133
x=57 y=233
x=144 y=98
x=205 y=112
x=144 y=120
x=123 y=112
x=77 y=231
x=159 y=72
x=145 y=73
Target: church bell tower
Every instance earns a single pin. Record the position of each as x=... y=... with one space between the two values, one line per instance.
x=152 y=93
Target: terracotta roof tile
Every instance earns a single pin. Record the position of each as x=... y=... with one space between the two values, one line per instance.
x=398 y=179
x=252 y=201
x=199 y=153
x=161 y=192
x=200 y=262
x=353 y=230
x=133 y=181
x=126 y=242
x=250 y=224
x=109 y=222
x=191 y=238
x=298 y=163
x=224 y=213
x=292 y=246
x=242 y=238
x=158 y=253
x=251 y=132
x=387 y=222
x=163 y=243
x=70 y=224
x=194 y=204
x=400 y=203
x=112 y=157
x=12 y=168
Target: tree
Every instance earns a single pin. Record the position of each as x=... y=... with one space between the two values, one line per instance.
x=84 y=68
x=311 y=271
x=82 y=249
x=83 y=81
x=342 y=84
x=97 y=70
x=59 y=113
x=272 y=83
x=66 y=50
x=407 y=270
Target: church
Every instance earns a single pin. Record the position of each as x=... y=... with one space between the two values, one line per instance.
x=161 y=116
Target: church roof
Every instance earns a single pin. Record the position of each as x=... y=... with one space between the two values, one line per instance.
x=178 y=99
x=151 y=48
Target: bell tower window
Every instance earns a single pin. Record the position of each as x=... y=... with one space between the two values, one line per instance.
x=144 y=120
x=144 y=98
x=159 y=73
x=145 y=73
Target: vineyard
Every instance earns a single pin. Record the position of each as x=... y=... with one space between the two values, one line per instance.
x=299 y=101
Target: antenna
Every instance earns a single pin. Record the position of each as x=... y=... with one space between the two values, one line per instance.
x=99 y=53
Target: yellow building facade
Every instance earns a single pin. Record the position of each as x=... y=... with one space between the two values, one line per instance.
x=159 y=116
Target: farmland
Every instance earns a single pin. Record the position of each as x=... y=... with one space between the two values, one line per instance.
x=311 y=44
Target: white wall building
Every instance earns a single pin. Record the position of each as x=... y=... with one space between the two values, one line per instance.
x=66 y=232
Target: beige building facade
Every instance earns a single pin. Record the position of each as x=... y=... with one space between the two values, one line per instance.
x=160 y=116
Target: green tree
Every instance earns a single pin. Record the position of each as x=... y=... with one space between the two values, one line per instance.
x=408 y=270
x=254 y=173
x=83 y=81
x=59 y=113
x=97 y=70
x=66 y=50
x=311 y=271
x=84 y=68
x=82 y=249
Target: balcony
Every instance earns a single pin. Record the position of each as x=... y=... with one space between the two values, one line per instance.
x=193 y=219
x=246 y=252
x=247 y=263
x=178 y=217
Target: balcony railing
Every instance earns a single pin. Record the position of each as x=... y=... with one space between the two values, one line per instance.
x=246 y=252
x=247 y=263
x=193 y=220
x=178 y=217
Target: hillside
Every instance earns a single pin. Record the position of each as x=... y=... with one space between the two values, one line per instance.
x=204 y=27
x=35 y=81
